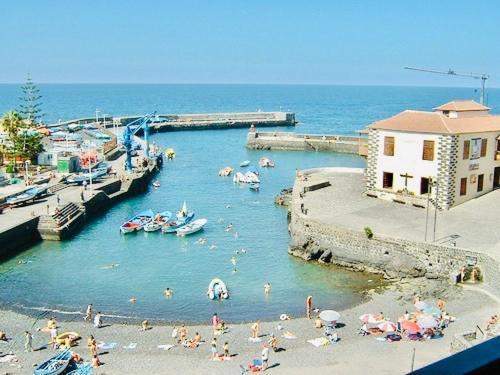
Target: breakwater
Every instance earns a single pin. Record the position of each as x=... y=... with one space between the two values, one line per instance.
x=197 y=121
x=306 y=142
x=314 y=238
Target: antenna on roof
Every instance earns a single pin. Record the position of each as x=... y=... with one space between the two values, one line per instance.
x=481 y=76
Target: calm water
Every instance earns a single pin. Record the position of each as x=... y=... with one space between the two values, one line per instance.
x=68 y=275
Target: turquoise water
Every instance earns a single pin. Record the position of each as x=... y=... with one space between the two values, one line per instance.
x=68 y=275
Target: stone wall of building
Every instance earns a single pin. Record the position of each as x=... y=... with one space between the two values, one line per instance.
x=447 y=155
x=371 y=164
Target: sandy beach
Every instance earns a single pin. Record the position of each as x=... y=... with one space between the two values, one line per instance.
x=354 y=353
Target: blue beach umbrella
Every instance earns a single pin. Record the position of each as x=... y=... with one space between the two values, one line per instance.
x=432 y=310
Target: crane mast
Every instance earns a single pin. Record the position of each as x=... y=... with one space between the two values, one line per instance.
x=483 y=77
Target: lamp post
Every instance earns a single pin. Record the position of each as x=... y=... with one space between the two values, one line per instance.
x=97 y=116
x=26 y=166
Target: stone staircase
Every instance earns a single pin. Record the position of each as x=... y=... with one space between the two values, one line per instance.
x=63 y=223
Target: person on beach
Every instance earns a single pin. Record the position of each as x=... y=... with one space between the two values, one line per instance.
x=215 y=323
x=51 y=323
x=265 y=357
x=88 y=313
x=380 y=317
x=406 y=315
x=92 y=345
x=3 y=336
x=213 y=345
x=53 y=335
x=441 y=304
x=28 y=343
x=98 y=320
x=273 y=342
x=267 y=288
x=183 y=331
x=309 y=300
x=416 y=298
x=145 y=325
x=95 y=361
x=254 y=329
x=226 y=350
x=168 y=293
x=84 y=185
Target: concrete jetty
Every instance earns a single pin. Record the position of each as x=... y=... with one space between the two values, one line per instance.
x=49 y=220
x=197 y=121
x=330 y=214
x=307 y=142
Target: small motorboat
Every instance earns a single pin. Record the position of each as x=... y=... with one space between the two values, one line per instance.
x=55 y=365
x=266 y=162
x=192 y=227
x=137 y=222
x=226 y=171
x=255 y=186
x=217 y=289
x=30 y=194
x=80 y=178
x=251 y=177
x=172 y=226
x=160 y=220
x=245 y=163
x=156 y=184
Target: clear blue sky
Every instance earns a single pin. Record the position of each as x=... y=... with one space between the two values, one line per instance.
x=248 y=41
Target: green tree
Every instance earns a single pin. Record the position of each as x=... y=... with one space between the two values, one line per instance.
x=30 y=107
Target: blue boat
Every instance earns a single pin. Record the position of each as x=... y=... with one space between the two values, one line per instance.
x=179 y=222
x=80 y=369
x=137 y=222
x=55 y=365
x=28 y=195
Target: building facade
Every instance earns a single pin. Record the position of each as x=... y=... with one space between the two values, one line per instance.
x=450 y=155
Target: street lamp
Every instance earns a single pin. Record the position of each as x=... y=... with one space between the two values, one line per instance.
x=26 y=165
x=432 y=183
x=97 y=116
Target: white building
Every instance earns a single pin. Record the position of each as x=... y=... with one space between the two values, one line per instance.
x=457 y=147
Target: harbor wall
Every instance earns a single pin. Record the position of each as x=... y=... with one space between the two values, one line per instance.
x=18 y=237
x=392 y=257
x=306 y=142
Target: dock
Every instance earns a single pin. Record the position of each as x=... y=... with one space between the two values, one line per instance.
x=197 y=121
x=307 y=142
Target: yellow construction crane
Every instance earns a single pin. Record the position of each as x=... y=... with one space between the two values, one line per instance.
x=481 y=76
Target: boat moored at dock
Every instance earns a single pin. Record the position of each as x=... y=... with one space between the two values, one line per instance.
x=137 y=222
x=160 y=219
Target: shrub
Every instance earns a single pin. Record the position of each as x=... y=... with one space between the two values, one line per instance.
x=10 y=168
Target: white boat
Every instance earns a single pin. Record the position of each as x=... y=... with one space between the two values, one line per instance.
x=192 y=227
x=160 y=220
x=266 y=162
x=217 y=289
x=245 y=163
x=30 y=194
x=156 y=184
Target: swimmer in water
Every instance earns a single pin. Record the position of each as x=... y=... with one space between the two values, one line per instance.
x=236 y=235
x=267 y=287
x=133 y=300
x=213 y=247
x=233 y=261
x=113 y=265
x=168 y=292
x=229 y=227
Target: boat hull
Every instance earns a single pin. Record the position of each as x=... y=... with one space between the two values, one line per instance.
x=192 y=227
x=137 y=222
x=172 y=226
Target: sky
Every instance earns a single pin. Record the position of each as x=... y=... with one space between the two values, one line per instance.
x=249 y=41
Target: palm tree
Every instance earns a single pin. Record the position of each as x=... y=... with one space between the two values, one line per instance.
x=11 y=123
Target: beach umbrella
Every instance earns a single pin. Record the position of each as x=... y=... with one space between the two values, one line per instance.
x=368 y=318
x=427 y=321
x=387 y=327
x=329 y=315
x=421 y=305
x=432 y=310
x=410 y=326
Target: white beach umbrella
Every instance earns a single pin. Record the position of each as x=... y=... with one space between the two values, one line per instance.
x=421 y=305
x=329 y=315
x=368 y=318
x=427 y=321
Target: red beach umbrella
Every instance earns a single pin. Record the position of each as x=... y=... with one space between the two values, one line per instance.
x=410 y=326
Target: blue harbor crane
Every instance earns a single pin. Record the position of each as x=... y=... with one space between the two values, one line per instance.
x=483 y=77
x=142 y=123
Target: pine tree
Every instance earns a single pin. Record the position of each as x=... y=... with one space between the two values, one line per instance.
x=30 y=107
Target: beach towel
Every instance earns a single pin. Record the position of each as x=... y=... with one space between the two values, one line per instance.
x=106 y=346
x=320 y=341
x=166 y=347
x=257 y=339
x=8 y=358
x=132 y=345
x=220 y=358
x=289 y=336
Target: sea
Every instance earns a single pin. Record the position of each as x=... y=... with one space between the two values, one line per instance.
x=103 y=267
